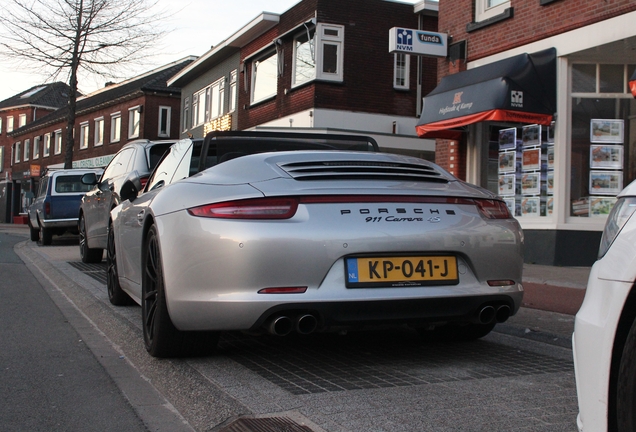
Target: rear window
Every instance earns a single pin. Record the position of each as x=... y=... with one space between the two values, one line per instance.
x=155 y=153
x=70 y=184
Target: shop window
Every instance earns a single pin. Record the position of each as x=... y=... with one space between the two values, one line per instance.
x=99 y=131
x=84 y=133
x=46 y=146
x=521 y=168
x=57 y=149
x=485 y=9
x=600 y=78
x=264 y=77
x=16 y=151
x=164 y=121
x=401 y=66
x=36 y=147
x=27 y=150
x=330 y=52
x=22 y=120
x=134 y=119
x=233 y=94
x=115 y=127
x=304 y=58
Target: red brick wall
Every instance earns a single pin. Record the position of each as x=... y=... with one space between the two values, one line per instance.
x=368 y=66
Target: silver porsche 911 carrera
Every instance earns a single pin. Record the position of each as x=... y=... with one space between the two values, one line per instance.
x=282 y=233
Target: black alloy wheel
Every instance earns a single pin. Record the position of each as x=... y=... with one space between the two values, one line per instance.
x=626 y=385
x=87 y=254
x=161 y=337
x=116 y=295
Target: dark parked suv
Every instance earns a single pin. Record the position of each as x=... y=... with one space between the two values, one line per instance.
x=140 y=156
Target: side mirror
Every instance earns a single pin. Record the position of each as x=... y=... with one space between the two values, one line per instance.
x=131 y=187
x=89 y=179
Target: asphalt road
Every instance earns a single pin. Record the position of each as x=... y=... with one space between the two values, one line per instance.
x=518 y=378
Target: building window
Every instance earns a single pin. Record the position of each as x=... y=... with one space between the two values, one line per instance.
x=186 y=113
x=27 y=150
x=1 y=159
x=16 y=152
x=58 y=142
x=134 y=118
x=83 y=144
x=233 y=94
x=485 y=9
x=401 y=67
x=264 y=77
x=46 y=147
x=99 y=131
x=329 y=52
x=164 y=121
x=216 y=97
x=602 y=115
x=10 y=124
x=0 y=125
x=199 y=103
x=115 y=127
x=304 y=58
x=36 y=147
x=21 y=120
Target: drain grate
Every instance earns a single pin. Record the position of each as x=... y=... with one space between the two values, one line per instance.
x=330 y=363
x=96 y=271
x=269 y=424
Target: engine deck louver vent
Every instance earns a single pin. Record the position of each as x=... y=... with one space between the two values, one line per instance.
x=362 y=170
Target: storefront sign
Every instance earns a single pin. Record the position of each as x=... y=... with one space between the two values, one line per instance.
x=35 y=170
x=96 y=162
x=418 y=42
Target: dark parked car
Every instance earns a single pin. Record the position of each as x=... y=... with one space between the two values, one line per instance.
x=54 y=209
x=140 y=156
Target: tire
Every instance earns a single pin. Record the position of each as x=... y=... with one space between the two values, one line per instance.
x=116 y=295
x=35 y=233
x=46 y=236
x=161 y=337
x=87 y=254
x=456 y=332
x=626 y=385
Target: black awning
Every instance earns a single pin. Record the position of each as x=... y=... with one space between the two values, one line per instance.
x=520 y=89
x=632 y=84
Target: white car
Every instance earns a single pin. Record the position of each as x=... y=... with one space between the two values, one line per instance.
x=604 y=340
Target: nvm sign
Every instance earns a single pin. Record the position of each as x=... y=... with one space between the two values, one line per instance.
x=418 y=42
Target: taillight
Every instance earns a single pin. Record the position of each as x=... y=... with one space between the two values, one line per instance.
x=493 y=209
x=258 y=208
x=47 y=208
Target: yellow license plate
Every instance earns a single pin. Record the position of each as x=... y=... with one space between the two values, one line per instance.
x=402 y=271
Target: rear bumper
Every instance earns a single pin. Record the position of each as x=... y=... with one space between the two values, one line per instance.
x=59 y=223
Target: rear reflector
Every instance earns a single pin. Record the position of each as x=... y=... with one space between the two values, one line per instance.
x=258 y=208
x=283 y=290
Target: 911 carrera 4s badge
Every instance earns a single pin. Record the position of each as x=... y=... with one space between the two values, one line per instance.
x=405 y=271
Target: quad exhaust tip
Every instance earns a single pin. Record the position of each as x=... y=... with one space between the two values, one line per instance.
x=488 y=314
x=283 y=325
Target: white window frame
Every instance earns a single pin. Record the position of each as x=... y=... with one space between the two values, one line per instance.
x=199 y=107
x=1 y=159
x=397 y=69
x=483 y=11
x=16 y=152
x=134 y=122
x=186 y=113
x=22 y=118
x=46 y=146
x=166 y=132
x=83 y=135
x=36 y=147
x=57 y=142
x=233 y=93
x=312 y=49
x=323 y=39
x=99 y=131
x=216 y=96
x=115 y=127
x=0 y=127
x=27 y=150
x=266 y=56
x=9 y=123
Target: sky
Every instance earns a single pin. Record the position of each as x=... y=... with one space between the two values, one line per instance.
x=196 y=25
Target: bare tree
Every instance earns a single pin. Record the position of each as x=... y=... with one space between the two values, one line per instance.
x=70 y=37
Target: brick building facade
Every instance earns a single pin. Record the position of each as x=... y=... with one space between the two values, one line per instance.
x=563 y=200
